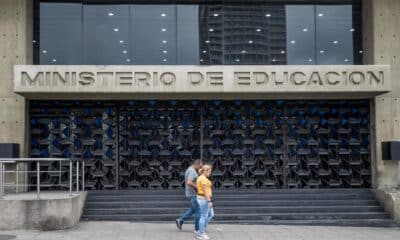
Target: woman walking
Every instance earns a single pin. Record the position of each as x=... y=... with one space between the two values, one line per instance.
x=204 y=198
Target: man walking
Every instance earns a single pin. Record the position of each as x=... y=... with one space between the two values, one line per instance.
x=191 y=175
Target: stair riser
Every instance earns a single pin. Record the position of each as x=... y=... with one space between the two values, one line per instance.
x=265 y=218
x=239 y=210
x=229 y=192
x=232 y=198
x=178 y=204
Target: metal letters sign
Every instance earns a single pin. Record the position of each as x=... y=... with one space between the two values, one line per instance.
x=30 y=79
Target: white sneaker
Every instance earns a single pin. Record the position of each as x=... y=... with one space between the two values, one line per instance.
x=203 y=236
x=196 y=232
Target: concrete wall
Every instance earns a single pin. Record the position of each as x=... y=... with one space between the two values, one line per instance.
x=381 y=32
x=391 y=201
x=381 y=46
x=42 y=214
x=16 y=30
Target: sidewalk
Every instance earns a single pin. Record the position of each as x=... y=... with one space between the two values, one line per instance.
x=145 y=231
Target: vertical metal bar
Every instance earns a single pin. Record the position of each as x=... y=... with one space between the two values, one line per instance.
x=77 y=176
x=16 y=177
x=117 y=147
x=201 y=135
x=38 y=179
x=83 y=175
x=285 y=149
x=70 y=177
x=60 y=176
x=1 y=180
x=26 y=175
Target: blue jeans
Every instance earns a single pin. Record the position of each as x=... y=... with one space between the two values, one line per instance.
x=206 y=214
x=194 y=210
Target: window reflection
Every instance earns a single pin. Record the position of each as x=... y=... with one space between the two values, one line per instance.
x=335 y=34
x=300 y=28
x=153 y=34
x=60 y=33
x=75 y=33
x=106 y=34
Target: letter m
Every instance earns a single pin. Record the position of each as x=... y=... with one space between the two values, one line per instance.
x=26 y=78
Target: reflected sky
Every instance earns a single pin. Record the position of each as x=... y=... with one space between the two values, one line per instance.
x=105 y=34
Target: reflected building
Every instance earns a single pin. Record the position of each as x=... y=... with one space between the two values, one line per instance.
x=239 y=34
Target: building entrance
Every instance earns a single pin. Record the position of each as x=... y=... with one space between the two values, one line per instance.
x=251 y=144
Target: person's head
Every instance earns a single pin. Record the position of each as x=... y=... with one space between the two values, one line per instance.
x=206 y=170
x=196 y=164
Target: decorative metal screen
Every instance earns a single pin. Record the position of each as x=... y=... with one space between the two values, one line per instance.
x=251 y=144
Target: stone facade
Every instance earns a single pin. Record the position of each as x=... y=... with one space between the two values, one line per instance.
x=381 y=47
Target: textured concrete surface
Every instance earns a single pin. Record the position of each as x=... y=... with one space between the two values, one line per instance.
x=390 y=199
x=52 y=211
x=382 y=46
x=139 y=231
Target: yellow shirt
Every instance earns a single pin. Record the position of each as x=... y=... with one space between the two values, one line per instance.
x=201 y=181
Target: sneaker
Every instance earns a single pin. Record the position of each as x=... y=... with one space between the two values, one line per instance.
x=178 y=224
x=203 y=236
x=196 y=232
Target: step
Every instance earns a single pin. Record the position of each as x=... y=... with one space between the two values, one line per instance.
x=241 y=196
x=227 y=191
x=237 y=203
x=244 y=216
x=238 y=210
x=381 y=222
x=325 y=222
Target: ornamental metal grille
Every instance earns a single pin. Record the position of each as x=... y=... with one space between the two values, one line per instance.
x=251 y=144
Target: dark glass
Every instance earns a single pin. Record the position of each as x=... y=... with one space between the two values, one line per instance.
x=188 y=34
x=334 y=30
x=60 y=33
x=199 y=34
x=106 y=34
x=300 y=28
x=153 y=34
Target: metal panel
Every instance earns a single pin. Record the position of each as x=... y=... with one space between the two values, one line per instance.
x=251 y=144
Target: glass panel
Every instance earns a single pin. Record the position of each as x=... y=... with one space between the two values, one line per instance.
x=211 y=34
x=153 y=33
x=273 y=35
x=60 y=33
x=188 y=34
x=300 y=34
x=106 y=34
x=335 y=34
x=191 y=34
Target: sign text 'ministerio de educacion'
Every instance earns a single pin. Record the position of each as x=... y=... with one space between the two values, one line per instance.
x=198 y=78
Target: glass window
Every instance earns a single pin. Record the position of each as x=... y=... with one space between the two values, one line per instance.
x=207 y=34
x=60 y=33
x=211 y=31
x=188 y=34
x=153 y=34
x=300 y=34
x=334 y=29
x=106 y=34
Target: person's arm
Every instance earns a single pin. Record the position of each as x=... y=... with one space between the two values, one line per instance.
x=190 y=182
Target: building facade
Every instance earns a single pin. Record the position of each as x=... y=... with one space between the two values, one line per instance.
x=275 y=94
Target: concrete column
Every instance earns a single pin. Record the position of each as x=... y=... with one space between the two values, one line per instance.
x=381 y=32
x=16 y=31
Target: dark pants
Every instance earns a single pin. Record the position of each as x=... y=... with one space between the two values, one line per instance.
x=194 y=210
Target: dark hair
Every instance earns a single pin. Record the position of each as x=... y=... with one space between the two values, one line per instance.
x=196 y=162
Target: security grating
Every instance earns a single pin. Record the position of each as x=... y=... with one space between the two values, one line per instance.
x=251 y=144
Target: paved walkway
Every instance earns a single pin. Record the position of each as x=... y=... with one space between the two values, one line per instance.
x=144 y=231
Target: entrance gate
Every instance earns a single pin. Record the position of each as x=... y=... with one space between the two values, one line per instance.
x=251 y=144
